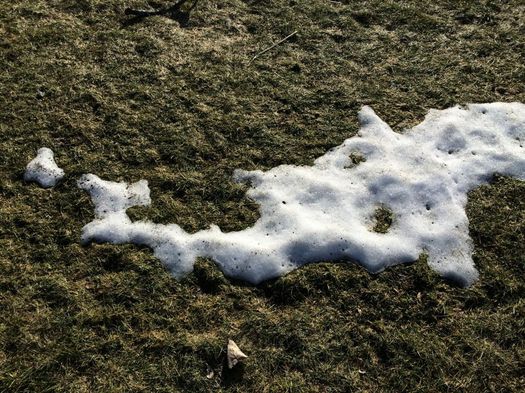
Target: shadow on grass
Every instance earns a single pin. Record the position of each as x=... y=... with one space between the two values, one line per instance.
x=175 y=12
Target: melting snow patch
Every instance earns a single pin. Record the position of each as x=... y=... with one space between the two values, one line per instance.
x=43 y=169
x=326 y=211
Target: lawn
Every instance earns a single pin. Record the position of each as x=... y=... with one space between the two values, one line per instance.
x=183 y=106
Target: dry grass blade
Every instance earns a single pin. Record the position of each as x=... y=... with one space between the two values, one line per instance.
x=273 y=46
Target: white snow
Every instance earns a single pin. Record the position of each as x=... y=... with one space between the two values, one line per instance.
x=325 y=211
x=43 y=170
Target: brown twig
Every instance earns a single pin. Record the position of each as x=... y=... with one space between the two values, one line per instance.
x=273 y=46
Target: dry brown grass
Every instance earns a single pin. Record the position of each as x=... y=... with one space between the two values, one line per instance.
x=182 y=108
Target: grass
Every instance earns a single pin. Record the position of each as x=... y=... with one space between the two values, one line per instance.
x=181 y=107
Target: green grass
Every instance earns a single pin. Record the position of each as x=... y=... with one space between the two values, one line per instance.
x=182 y=107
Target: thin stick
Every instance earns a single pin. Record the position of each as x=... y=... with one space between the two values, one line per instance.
x=273 y=46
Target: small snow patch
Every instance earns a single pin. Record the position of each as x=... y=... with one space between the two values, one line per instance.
x=43 y=169
x=328 y=211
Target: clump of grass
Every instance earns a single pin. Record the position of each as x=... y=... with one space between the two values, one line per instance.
x=383 y=218
x=355 y=159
